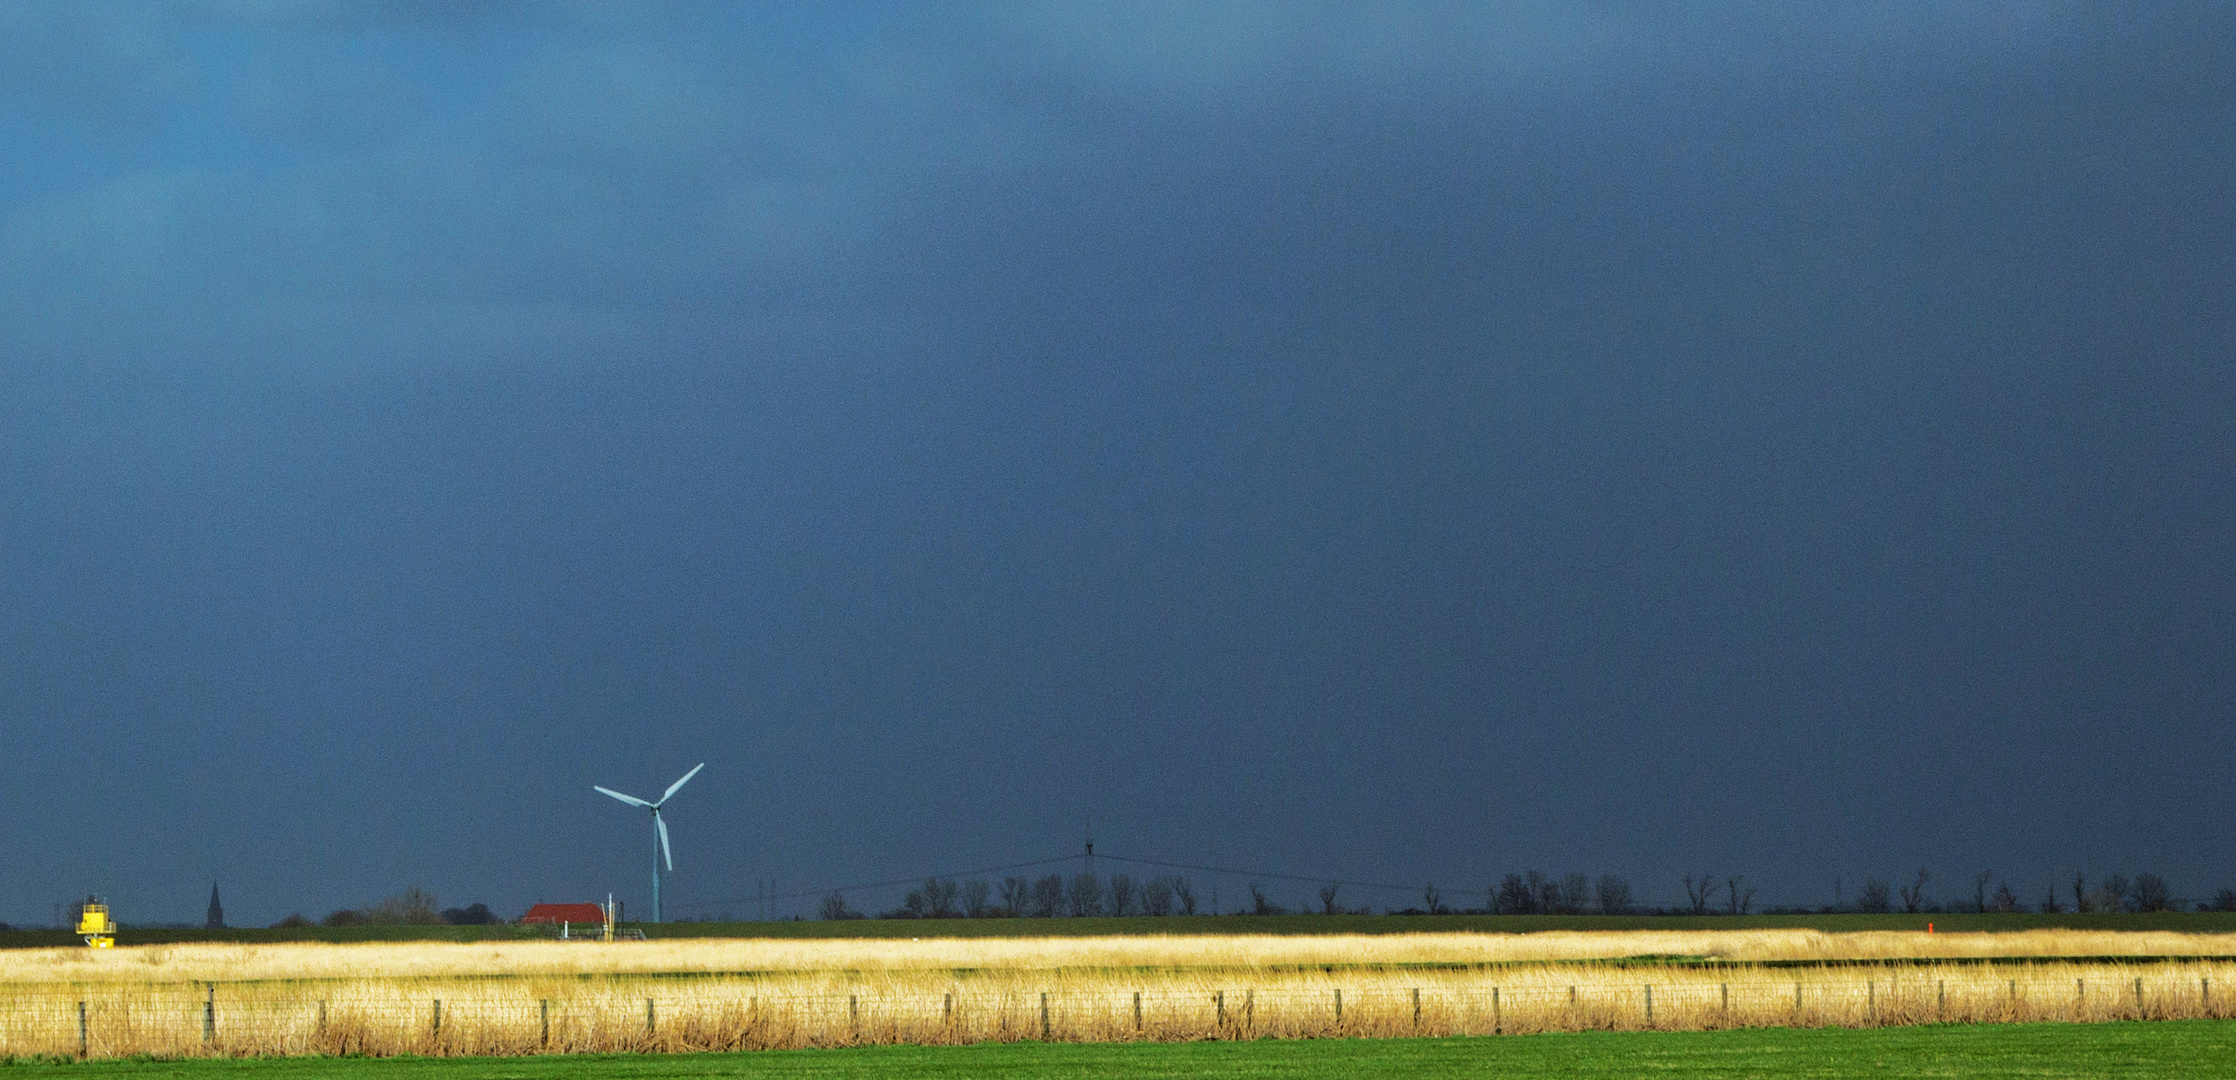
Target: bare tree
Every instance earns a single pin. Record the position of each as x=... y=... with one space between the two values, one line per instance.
x=974 y=899
x=1514 y=897
x=1156 y=897
x=1327 y=900
x=2114 y=890
x=2004 y=899
x=1048 y=896
x=2050 y=906
x=834 y=907
x=1121 y=895
x=1614 y=895
x=1913 y=894
x=412 y=907
x=1185 y=894
x=1016 y=894
x=2082 y=901
x=1980 y=890
x=1875 y=898
x=1551 y=900
x=939 y=899
x=1545 y=893
x=1699 y=891
x=2152 y=894
x=1736 y=900
x=1083 y=895
x=1576 y=894
x=1431 y=900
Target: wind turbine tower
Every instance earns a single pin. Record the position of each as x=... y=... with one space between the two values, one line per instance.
x=660 y=852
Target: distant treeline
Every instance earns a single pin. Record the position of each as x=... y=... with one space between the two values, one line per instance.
x=412 y=907
x=1086 y=895
x=2113 y=893
x=1053 y=896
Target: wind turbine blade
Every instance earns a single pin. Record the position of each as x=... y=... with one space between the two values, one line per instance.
x=662 y=827
x=686 y=779
x=630 y=799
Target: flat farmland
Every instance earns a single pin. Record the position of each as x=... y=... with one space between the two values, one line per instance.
x=547 y=997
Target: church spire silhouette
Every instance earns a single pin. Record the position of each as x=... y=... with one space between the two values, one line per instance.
x=217 y=910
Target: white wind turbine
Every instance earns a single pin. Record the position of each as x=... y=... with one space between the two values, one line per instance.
x=660 y=851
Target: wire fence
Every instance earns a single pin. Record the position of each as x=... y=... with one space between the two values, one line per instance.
x=522 y=1016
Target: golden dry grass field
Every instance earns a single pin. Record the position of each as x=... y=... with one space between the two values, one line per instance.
x=530 y=997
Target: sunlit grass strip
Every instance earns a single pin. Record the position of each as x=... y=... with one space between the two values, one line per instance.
x=422 y=959
x=532 y=1014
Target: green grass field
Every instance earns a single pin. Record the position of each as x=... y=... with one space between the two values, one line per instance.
x=2033 y=1051
x=2199 y=922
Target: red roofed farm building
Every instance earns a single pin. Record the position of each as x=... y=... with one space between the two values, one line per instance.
x=565 y=913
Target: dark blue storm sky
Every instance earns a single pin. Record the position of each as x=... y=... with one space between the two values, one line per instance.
x=1405 y=442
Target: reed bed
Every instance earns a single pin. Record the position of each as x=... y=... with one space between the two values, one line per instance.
x=446 y=999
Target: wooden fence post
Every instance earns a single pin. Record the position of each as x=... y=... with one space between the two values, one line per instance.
x=543 y=1009
x=209 y=1015
x=1649 y=1004
x=1498 y=1012
x=82 y=1041
x=1044 y=1025
x=650 y=1021
x=438 y=1027
x=1339 y=1006
x=1416 y=1008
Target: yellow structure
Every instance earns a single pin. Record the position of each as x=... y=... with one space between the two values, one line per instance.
x=95 y=925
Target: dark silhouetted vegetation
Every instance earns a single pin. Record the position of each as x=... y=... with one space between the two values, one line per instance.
x=476 y=914
x=412 y=907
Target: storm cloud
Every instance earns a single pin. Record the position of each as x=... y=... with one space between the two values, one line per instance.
x=1402 y=443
